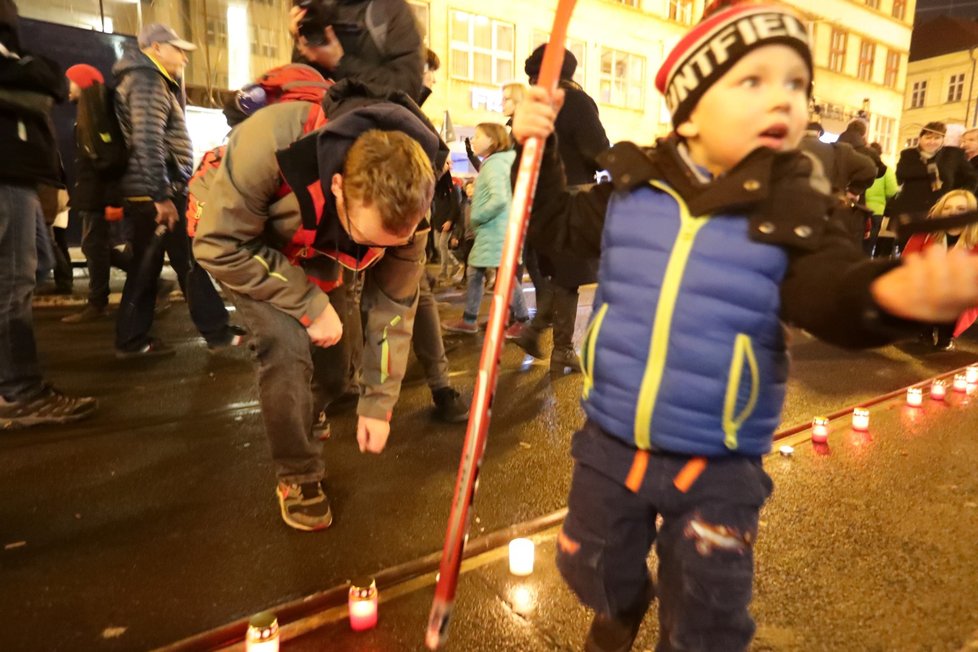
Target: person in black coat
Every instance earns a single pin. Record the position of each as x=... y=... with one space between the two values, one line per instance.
x=580 y=139
x=29 y=87
x=929 y=171
x=855 y=136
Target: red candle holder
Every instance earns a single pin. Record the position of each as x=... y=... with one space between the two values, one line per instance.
x=362 y=603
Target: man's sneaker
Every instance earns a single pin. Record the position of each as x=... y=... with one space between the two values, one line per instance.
x=152 y=349
x=944 y=345
x=450 y=407
x=515 y=330
x=561 y=359
x=529 y=341
x=304 y=506
x=231 y=337
x=48 y=406
x=461 y=326
x=320 y=428
x=90 y=313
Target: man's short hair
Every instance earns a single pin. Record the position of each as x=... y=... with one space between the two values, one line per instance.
x=431 y=60
x=389 y=169
x=857 y=125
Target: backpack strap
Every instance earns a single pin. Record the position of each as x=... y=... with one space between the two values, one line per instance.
x=314 y=120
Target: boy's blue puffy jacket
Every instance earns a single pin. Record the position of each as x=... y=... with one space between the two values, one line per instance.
x=701 y=367
x=685 y=350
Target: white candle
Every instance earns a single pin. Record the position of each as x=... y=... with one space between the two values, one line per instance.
x=262 y=633
x=915 y=397
x=820 y=430
x=860 y=419
x=971 y=374
x=521 y=557
x=938 y=389
x=362 y=604
x=960 y=383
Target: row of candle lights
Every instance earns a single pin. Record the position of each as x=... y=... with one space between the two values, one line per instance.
x=915 y=398
x=364 y=598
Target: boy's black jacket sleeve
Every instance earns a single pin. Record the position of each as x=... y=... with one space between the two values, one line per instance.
x=561 y=221
x=827 y=293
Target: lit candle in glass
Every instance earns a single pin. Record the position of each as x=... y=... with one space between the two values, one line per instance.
x=262 y=633
x=960 y=383
x=860 y=419
x=938 y=389
x=363 y=604
x=820 y=430
x=971 y=374
x=521 y=557
x=915 y=397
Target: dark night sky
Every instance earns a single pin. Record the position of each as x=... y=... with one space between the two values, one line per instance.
x=927 y=9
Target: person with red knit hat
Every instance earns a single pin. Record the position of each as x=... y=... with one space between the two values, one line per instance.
x=709 y=243
x=89 y=197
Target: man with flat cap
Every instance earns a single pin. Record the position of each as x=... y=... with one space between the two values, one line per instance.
x=150 y=107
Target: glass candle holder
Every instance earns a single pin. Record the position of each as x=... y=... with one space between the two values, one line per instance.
x=971 y=374
x=860 y=419
x=362 y=603
x=915 y=397
x=960 y=383
x=521 y=556
x=938 y=390
x=820 y=430
x=262 y=633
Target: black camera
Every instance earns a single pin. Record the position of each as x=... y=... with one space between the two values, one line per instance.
x=319 y=14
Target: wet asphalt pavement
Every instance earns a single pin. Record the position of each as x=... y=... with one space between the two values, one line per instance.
x=156 y=519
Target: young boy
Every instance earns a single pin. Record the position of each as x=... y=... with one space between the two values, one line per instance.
x=708 y=242
x=359 y=185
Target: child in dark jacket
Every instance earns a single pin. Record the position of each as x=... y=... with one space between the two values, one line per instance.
x=708 y=242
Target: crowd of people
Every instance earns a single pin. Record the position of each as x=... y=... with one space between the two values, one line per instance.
x=315 y=216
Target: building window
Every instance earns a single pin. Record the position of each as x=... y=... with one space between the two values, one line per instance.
x=884 y=132
x=577 y=47
x=622 y=79
x=681 y=11
x=892 y=69
x=422 y=13
x=837 y=50
x=481 y=48
x=873 y=4
x=918 y=94
x=867 y=56
x=899 y=9
x=264 y=42
x=912 y=142
x=217 y=33
x=955 y=88
x=629 y=3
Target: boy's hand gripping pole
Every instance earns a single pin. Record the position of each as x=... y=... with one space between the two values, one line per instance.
x=485 y=384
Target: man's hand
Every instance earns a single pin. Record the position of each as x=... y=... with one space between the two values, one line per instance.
x=935 y=286
x=166 y=213
x=535 y=115
x=327 y=55
x=327 y=329
x=447 y=226
x=372 y=434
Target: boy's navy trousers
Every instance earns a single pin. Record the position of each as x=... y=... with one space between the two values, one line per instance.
x=704 y=540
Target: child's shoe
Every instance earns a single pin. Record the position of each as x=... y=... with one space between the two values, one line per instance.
x=608 y=634
x=461 y=326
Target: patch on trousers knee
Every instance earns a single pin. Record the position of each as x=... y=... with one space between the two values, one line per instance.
x=566 y=544
x=710 y=537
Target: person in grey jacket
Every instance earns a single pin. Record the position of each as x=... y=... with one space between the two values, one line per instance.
x=150 y=108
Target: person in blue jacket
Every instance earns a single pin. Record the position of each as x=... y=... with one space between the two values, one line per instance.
x=709 y=242
x=490 y=210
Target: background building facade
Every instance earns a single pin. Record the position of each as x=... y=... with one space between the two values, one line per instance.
x=861 y=51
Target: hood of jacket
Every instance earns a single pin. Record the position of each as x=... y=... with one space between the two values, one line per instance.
x=309 y=164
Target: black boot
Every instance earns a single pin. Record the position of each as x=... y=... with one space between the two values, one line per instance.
x=450 y=407
x=565 y=317
x=618 y=633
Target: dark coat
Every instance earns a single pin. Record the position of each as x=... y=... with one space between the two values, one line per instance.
x=89 y=191
x=843 y=166
x=29 y=87
x=826 y=288
x=858 y=142
x=150 y=113
x=381 y=46
x=916 y=196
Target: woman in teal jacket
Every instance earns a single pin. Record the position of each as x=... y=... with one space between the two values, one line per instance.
x=490 y=210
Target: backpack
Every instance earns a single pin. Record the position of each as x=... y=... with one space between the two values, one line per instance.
x=288 y=83
x=98 y=133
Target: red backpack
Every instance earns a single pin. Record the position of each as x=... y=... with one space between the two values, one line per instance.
x=294 y=82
